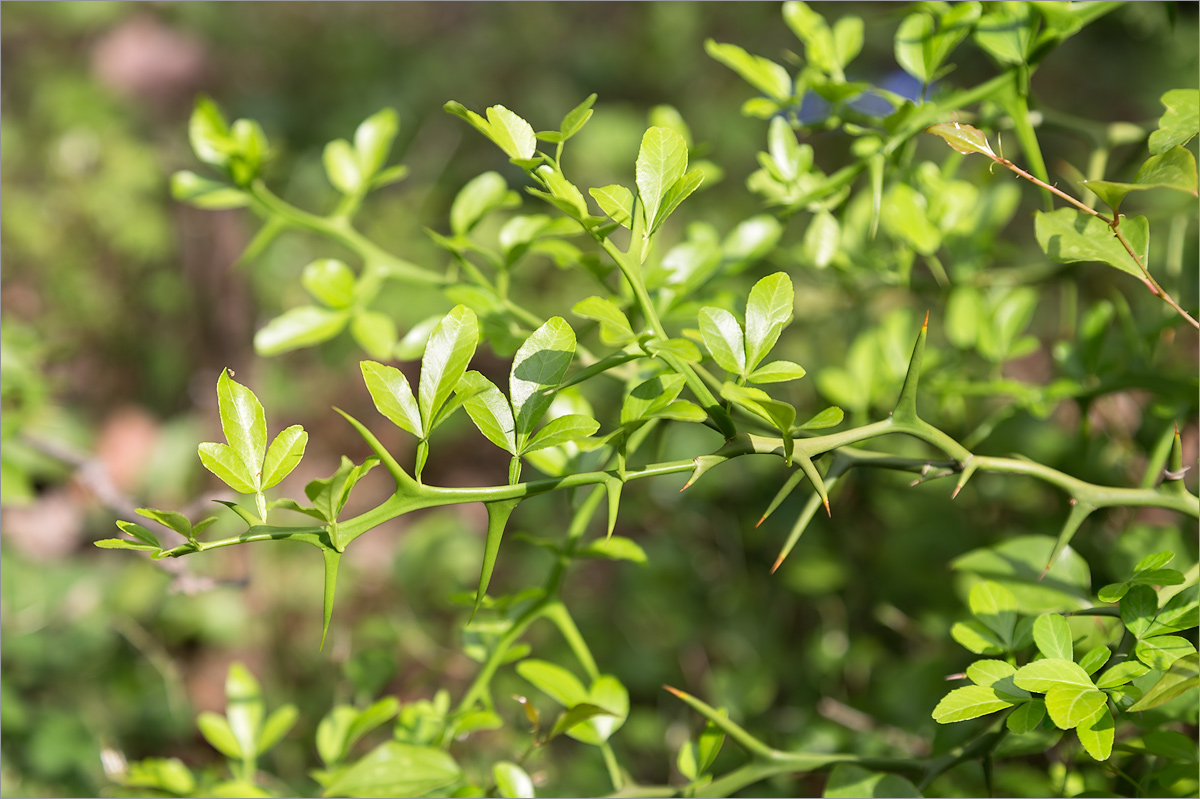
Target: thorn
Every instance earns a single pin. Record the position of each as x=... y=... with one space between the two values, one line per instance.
x=762 y=519
x=827 y=511
x=675 y=691
x=778 y=563
x=962 y=675
x=925 y=324
x=954 y=493
x=1045 y=571
x=1073 y=503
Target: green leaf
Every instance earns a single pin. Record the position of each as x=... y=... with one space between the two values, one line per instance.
x=1178 y=125
x=650 y=397
x=830 y=417
x=449 y=350
x=768 y=312
x=969 y=702
x=392 y=396
x=216 y=730
x=342 y=167
x=777 y=372
x=761 y=73
x=977 y=638
x=1006 y=33
x=1096 y=734
x=685 y=761
x=284 y=455
x=1180 y=613
x=330 y=282
x=1043 y=675
x=577 y=117
x=613 y=548
x=1094 y=659
x=1139 y=606
x=573 y=717
x=662 y=160
x=1070 y=705
x=998 y=676
x=121 y=543
x=963 y=138
x=779 y=414
x=608 y=693
x=752 y=239
x=679 y=191
x=1180 y=678
x=514 y=135
x=208 y=133
x=1121 y=674
x=847 y=781
x=1172 y=169
x=567 y=193
x=481 y=195
x=615 y=329
x=570 y=427
x=1161 y=651
x=223 y=461
x=1026 y=717
x=681 y=348
x=277 y=725
x=1068 y=236
x=1053 y=636
x=822 y=238
x=208 y=194
x=996 y=607
x=169 y=775
x=489 y=410
x=511 y=780
x=244 y=424
x=373 y=140
x=722 y=336
x=615 y=201
x=904 y=213
x=169 y=519
x=375 y=332
x=540 y=364
x=556 y=682
x=1017 y=563
x=396 y=769
x=300 y=327
x=912 y=39
x=244 y=707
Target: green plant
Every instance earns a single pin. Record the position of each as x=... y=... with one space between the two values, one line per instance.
x=653 y=299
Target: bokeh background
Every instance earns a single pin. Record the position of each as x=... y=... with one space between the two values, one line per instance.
x=119 y=306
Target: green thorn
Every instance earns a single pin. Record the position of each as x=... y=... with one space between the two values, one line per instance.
x=332 y=559
x=1079 y=512
x=403 y=481
x=786 y=489
x=968 y=469
x=613 y=487
x=906 y=406
x=498 y=513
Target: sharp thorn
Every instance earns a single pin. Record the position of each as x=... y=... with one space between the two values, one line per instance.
x=925 y=324
x=955 y=492
x=760 y=521
x=778 y=563
x=675 y=691
x=827 y=511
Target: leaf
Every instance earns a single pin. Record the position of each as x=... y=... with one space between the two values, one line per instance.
x=571 y=427
x=449 y=350
x=498 y=513
x=330 y=282
x=662 y=160
x=216 y=730
x=1180 y=613
x=768 y=312
x=779 y=414
x=681 y=348
x=577 y=117
x=722 y=336
x=679 y=191
x=912 y=45
x=997 y=675
x=830 y=417
x=375 y=332
x=1094 y=659
x=1026 y=717
x=513 y=134
x=848 y=781
x=752 y=239
x=277 y=725
x=225 y=463
x=1053 y=636
x=204 y=193
x=284 y=455
x=1172 y=169
x=904 y=213
x=243 y=422
x=615 y=201
x=481 y=195
x=1017 y=563
x=1178 y=125
x=615 y=329
x=511 y=780
x=392 y=396
x=121 y=543
x=822 y=238
x=977 y=638
x=540 y=364
x=1179 y=679
x=396 y=769
x=208 y=133
x=556 y=682
x=613 y=548
x=1005 y=33
x=1161 y=651
x=1096 y=734
x=303 y=326
x=342 y=167
x=963 y=138
x=489 y=410
x=1043 y=675
x=1070 y=705
x=1068 y=236
x=969 y=702
x=608 y=693
x=1121 y=674
x=1139 y=606
x=996 y=607
x=650 y=397
x=777 y=372
x=761 y=73
x=373 y=140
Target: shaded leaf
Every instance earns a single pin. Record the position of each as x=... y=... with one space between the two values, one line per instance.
x=303 y=326
x=396 y=769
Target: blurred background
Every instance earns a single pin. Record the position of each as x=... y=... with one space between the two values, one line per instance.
x=120 y=306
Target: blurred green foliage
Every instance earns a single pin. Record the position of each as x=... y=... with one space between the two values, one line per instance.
x=114 y=295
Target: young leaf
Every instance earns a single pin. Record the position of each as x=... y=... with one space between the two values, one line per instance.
x=613 y=548
x=1139 y=606
x=969 y=702
x=1121 y=674
x=616 y=201
x=396 y=769
x=208 y=133
x=963 y=138
x=204 y=193
x=661 y=161
x=577 y=117
x=277 y=725
x=608 y=693
x=373 y=140
x=567 y=193
x=223 y=461
x=284 y=454
x=1068 y=235
x=489 y=410
x=217 y=732
x=615 y=329
x=1026 y=717
x=1070 y=705
x=540 y=364
x=449 y=350
x=723 y=337
x=1052 y=636
x=300 y=327
x=650 y=397
x=571 y=427
x=330 y=282
x=1182 y=676
x=393 y=397
x=768 y=312
x=556 y=682
x=761 y=73
x=375 y=332
x=481 y=195
x=342 y=167
x=243 y=422
x=679 y=191
x=830 y=417
x=512 y=782
x=1161 y=651
x=144 y=535
x=121 y=543
x=1096 y=734
x=514 y=135
x=1176 y=127
x=1043 y=675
